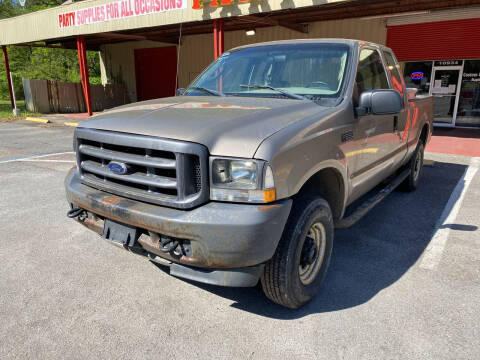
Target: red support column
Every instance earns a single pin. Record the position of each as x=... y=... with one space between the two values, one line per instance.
x=82 y=62
x=220 y=38
x=7 y=71
x=218 y=42
x=215 y=39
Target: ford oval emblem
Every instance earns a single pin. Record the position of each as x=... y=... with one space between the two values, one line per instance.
x=117 y=167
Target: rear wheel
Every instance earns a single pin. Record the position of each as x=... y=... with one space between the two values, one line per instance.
x=415 y=164
x=295 y=273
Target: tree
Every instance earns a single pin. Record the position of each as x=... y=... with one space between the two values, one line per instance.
x=41 y=63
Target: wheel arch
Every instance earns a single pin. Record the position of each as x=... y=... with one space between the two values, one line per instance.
x=424 y=134
x=329 y=183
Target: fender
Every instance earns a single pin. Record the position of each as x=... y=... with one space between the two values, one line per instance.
x=301 y=150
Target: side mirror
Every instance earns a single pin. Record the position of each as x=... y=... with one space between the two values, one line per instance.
x=380 y=102
x=180 y=91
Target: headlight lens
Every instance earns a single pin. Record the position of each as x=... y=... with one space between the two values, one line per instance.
x=241 y=180
x=235 y=174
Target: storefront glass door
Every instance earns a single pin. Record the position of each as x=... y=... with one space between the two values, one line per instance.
x=455 y=86
x=445 y=86
x=468 y=113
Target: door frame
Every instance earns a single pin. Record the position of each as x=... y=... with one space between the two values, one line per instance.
x=457 y=93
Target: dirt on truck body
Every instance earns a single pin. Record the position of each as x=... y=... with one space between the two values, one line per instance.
x=243 y=176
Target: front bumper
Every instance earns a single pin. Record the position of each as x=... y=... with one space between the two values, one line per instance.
x=221 y=235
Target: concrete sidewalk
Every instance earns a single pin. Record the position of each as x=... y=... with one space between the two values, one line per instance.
x=455 y=141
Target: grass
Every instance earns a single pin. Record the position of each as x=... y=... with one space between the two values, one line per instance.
x=6 y=113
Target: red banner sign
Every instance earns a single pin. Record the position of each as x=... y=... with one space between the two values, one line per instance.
x=117 y=10
x=198 y=4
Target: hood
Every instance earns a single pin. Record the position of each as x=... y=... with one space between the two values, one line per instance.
x=228 y=126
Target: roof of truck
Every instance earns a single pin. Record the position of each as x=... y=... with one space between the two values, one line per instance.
x=349 y=42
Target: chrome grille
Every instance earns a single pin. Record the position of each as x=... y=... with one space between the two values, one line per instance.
x=160 y=171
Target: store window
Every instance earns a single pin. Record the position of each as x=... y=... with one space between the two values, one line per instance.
x=468 y=113
x=394 y=69
x=417 y=75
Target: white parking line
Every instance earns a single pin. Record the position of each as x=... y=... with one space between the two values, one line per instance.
x=25 y=158
x=51 y=161
x=434 y=251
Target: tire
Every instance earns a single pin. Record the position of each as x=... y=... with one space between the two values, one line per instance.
x=288 y=279
x=415 y=165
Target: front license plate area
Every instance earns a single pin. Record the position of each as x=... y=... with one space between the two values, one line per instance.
x=123 y=234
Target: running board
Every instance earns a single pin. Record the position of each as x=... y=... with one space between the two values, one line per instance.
x=368 y=205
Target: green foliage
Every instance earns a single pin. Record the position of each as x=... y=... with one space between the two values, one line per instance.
x=9 y=8
x=41 y=63
x=6 y=113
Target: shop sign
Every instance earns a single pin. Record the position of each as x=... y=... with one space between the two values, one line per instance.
x=117 y=10
x=471 y=77
x=448 y=62
x=198 y=4
x=417 y=75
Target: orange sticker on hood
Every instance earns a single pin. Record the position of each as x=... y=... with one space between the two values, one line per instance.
x=200 y=105
x=140 y=107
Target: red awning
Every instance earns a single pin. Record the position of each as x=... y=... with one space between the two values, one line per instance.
x=456 y=39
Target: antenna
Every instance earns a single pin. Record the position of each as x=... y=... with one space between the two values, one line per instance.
x=178 y=55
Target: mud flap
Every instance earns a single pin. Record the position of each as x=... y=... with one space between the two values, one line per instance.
x=123 y=234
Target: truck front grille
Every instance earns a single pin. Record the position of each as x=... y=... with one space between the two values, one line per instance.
x=161 y=171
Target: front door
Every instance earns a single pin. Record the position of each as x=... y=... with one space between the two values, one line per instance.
x=445 y=87
x=378 y=133
x=155 y=72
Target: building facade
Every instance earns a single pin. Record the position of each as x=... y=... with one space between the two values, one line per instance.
x=153 y=47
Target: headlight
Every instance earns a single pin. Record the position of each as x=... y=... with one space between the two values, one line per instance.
x=241 y=180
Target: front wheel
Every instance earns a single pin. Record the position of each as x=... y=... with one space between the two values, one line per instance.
x=295 y=273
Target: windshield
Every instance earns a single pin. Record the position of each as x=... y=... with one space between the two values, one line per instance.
x=313 y=71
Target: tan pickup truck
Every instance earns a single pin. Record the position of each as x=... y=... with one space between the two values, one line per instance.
x=244 y=175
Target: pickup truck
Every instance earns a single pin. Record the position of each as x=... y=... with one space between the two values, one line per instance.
x=244 y=175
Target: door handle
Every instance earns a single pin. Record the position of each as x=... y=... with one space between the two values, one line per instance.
x=395 y=123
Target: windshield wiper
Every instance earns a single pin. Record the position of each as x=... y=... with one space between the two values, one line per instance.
x=212 y=92
x=284 y=92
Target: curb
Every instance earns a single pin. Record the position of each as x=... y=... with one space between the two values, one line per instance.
x=35 y=119
x=71 y=124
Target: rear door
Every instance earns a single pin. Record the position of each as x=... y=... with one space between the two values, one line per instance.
x=397 y=145
x=155 y=72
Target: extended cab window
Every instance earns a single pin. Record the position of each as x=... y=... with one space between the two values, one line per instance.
x=371 y=73
x=394 y=68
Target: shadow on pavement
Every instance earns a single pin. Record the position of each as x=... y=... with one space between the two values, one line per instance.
x=373 y=254
x=459 y=227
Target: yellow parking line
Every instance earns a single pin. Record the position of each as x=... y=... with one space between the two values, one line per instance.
x=428 y=162
x=70 y=123
x=40 y=120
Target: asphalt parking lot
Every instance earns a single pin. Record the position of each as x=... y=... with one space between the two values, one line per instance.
x=404 y=283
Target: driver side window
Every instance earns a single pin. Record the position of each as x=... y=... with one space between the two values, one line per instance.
x=370 y=73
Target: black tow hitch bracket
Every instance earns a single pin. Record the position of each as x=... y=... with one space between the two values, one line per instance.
x=74 y=212
x=165 y=247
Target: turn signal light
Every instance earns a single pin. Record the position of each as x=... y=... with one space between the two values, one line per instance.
x=269 y=195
